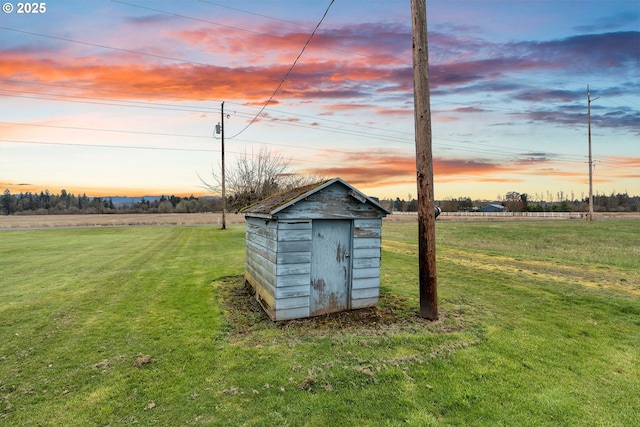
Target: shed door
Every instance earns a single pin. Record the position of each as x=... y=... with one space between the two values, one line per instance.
x=330 y=266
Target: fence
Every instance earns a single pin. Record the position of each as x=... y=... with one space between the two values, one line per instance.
x=559 y=215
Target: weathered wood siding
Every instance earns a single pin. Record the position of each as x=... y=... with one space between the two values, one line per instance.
x=333 y=202
x=365 y=278
x=260 y=261
x=278 y=265
x=279 y=251
x=293 y=270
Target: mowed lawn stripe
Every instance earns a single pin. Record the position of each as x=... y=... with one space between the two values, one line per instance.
x=152 y=326
x=559 y=328
x=96 y=300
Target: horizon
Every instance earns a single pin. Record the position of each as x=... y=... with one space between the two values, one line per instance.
x=108 y=97
x=550 y=196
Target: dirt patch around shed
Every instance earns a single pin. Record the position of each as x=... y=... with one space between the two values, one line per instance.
x=393 y=314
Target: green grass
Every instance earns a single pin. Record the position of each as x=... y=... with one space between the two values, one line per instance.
x=540 y=325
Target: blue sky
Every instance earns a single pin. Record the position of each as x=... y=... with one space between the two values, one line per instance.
x=121 y=97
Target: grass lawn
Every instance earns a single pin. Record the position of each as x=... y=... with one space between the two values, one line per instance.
x=539 y=325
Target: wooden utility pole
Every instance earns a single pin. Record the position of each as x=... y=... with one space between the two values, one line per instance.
x=224 y=194
x=424 y=164
x=590 y=161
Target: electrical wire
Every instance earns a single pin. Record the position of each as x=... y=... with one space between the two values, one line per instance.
x=375 y=131
x=135 y=94
x=485 y=148
x=177 y=15
x=84 y=100
x=264 y=107
x=249 y=12
x=124 y=147
x=102 y=46
x=151 y=148
x=191 y=18
x=434 y=68
x=132 y=132
x=287 y=74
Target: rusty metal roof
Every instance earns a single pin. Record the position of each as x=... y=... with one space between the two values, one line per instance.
x=280 y=201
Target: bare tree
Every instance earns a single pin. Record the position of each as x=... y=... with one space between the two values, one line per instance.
x=255 y=177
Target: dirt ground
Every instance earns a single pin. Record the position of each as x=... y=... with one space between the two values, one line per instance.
x=393 y=313
x=117 y=220
x=215 y=219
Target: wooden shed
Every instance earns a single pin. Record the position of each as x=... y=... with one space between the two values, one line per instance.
x=314 y=250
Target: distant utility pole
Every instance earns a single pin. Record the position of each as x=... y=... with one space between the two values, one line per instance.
x=590 y=161
x=424 y=164
x=224 y=194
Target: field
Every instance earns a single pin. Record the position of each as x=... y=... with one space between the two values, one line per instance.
x=118 y=220
x=115 y=220
x=539 y=325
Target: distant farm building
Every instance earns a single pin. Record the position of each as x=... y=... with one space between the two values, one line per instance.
x=492 y=208
x=314 y=250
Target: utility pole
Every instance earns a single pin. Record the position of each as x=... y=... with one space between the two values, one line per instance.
x=590 y=161
x=424 y=164
x=224 y=194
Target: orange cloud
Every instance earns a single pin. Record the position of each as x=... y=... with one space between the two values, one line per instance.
x=384 y=168
x=620 y=167
x=124 y=80
x=369 y=68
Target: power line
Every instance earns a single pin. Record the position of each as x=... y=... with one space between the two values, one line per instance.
x=493 y=149
x=141 y=104
x=135 y=104
x=109 y=47
x=203 y=110
x=248 y=12
x=124 y=147
x=340 y=122
x=288 y=72
x=171 y=107
x=558 y=157
x=142 y=147
x=191 y=18
x=451 y=73
x=232 y=26
x=195 y=109
x=94 y=89
x=274 y=120
x=437 y=69
x=133 y=132
x=375 y=134
x=84 y=100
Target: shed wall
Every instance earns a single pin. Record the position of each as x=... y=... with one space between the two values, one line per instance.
x=365 y=278
x=260 y=260
x=293 y=270
x=279 y=252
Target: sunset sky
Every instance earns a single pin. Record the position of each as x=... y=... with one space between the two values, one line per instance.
x=122 y=97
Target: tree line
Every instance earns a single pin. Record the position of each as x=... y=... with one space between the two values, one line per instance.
x=520 y=202
x=45 y=203
x=255 y=177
